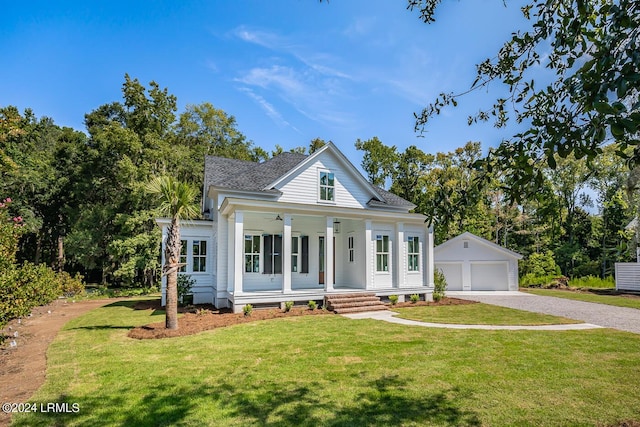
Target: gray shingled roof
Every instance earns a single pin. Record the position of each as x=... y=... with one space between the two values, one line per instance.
x=244 y=175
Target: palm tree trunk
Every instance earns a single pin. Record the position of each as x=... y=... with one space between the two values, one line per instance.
x=172 y=258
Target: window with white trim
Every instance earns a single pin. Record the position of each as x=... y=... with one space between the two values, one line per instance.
x=351 y=249
x=294 y=254
x=199 y=255
x=183 y=255
x=251 y=254
x=327 y=186
x=413 y=253
x=382 y=253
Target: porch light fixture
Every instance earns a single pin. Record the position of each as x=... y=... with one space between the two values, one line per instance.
x=336 y=227
x=278 y=218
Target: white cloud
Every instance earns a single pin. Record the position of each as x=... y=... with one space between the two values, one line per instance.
x=268 y=108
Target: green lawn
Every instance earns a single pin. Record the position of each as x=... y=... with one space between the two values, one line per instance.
x=478 y=314
x=616 y=300
x=333 y=371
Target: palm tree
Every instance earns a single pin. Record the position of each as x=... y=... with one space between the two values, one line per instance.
x=176 y=201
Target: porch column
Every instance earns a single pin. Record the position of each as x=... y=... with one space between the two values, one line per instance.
x=428 y=261
x=399 y=257
x=286 y=254
x=368 y=255
x=230 y=224
x=238 y=252
x=328 y=257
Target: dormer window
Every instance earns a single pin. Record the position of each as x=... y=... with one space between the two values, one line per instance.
x=327 y=186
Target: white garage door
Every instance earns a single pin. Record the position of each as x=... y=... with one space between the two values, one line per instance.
x=453 y=274
x=489 y=277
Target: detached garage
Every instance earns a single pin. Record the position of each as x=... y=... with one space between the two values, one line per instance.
x=471 y=263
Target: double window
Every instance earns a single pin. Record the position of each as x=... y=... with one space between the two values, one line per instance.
x=327 y=186
x=196 y=252
x=413 y=253
x=382 y=252
x=267 y=254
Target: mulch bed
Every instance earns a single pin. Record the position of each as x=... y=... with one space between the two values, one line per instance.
x=205 y=317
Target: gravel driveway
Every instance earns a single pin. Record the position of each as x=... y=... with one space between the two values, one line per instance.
x=609 y=316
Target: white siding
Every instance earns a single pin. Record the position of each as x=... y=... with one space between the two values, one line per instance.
x=628 y=276
x=383 y=279
x=203 y=289
x=303 y=187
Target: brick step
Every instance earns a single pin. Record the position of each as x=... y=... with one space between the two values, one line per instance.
x=335 y=306
x=351 y=295
x=361 y=309
x=350 y=300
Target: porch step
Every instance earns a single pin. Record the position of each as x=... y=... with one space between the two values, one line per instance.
x=353 y=303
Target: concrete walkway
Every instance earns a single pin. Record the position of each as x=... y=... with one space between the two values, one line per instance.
x=608 y=316
x=389 y=316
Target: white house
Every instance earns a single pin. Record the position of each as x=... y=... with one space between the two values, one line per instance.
x=299 y=228
x=471 y=263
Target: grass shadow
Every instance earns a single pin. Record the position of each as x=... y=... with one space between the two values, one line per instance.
x=382 y=401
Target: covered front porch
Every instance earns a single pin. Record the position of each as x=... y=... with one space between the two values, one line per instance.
x=278 y=255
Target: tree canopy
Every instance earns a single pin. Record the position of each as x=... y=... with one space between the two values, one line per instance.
x=592 y=49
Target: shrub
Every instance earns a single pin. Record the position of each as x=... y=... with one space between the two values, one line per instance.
x=592 y=282
x=247 y=309
x=415 y=298
x=185 y=283
x=540 y=264
x=288 y=306
x=71 y=286
x=440 y=285
x=393 y=299
x=312 y=305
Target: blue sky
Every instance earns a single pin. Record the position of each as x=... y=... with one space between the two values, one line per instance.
x=288 y=70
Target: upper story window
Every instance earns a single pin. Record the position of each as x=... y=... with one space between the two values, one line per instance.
x=327 y=186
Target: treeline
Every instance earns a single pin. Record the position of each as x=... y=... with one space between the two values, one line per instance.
x=81 y=195
x=82 y=198
x=578 y=214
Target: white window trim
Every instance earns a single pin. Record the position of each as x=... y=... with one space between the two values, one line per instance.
x=244 y=254
x=320 y=200
x=189 y=255
x=388 y=253
x=419 y=253
x=351 y=251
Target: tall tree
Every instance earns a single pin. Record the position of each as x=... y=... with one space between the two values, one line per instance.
x=176 y=200
x=378 y=160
